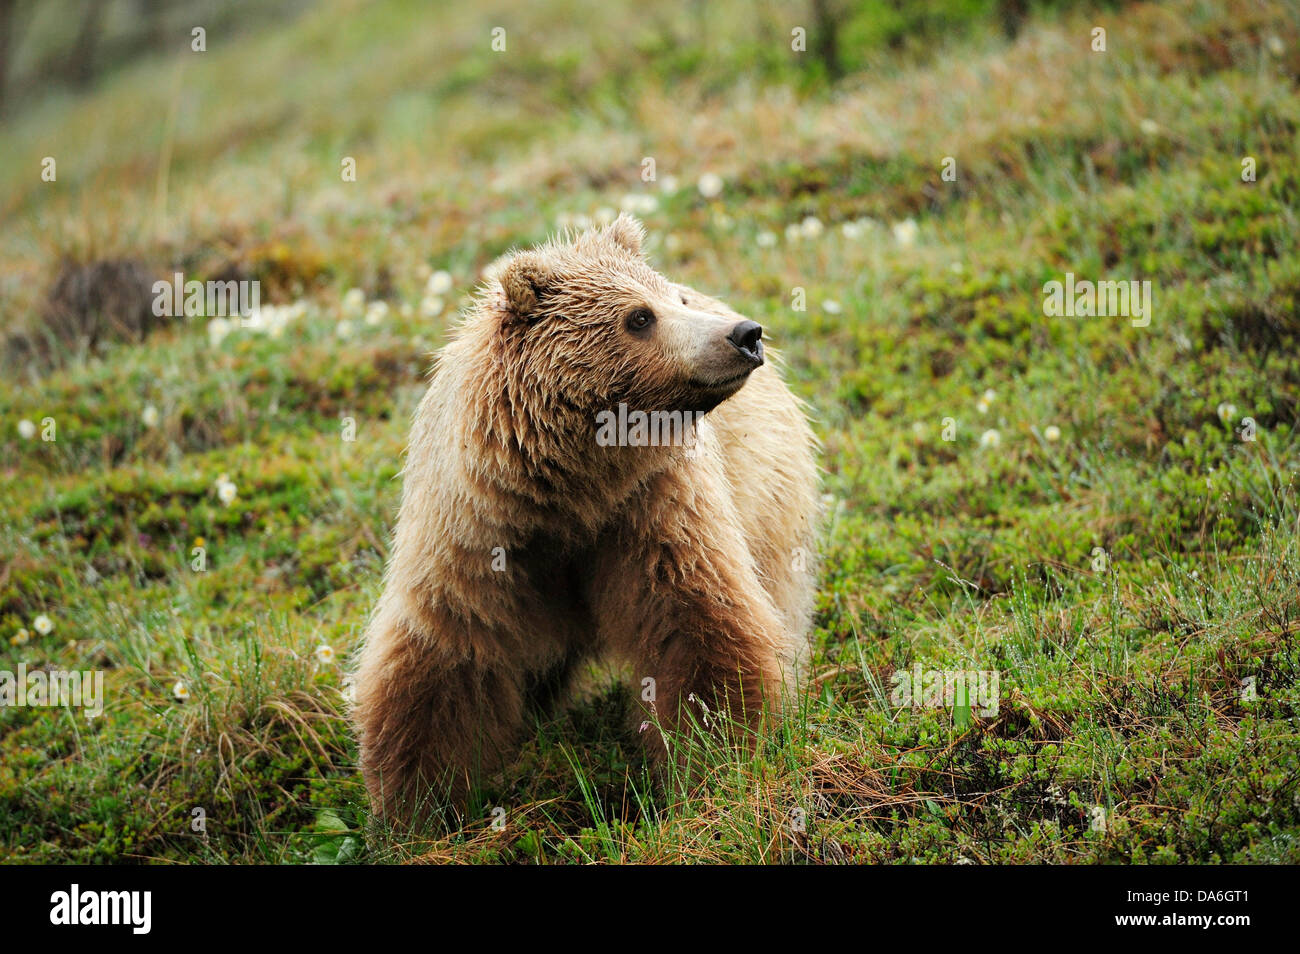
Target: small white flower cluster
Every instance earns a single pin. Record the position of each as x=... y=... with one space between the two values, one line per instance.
x=638 y=204
x=440 y=283
x=855 y=229
x=992 y=438
x=42 y=624
x=354 y=300
x=436 y=288
x=632 y=203
x=354 y=306
x=906 y=232
x=811 y=228
x=710 y=185
x=226 y=490
x=269 y=320
x=573 y=222
x=26 y=429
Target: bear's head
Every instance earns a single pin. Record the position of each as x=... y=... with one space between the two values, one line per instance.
x=588 y=324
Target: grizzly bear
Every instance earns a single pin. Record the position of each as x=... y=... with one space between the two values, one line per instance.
x=543 y=523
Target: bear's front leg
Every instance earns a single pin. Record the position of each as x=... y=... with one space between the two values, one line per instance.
x=432 y=721
x=677 y=592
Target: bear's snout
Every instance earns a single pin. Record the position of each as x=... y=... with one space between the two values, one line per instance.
x=747 y=338
x=727 y=354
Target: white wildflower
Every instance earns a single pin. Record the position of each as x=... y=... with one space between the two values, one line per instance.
x=353 y=301
x=906 y=232
x=218 y=328
x=226 y=490
x=710 y=185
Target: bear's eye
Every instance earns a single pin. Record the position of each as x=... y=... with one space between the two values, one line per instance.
x=684 y=301
x=639 y=319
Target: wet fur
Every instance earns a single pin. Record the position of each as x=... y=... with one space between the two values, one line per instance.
x=685 y=568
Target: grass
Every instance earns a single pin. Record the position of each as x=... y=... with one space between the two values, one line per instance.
x=1135 y=582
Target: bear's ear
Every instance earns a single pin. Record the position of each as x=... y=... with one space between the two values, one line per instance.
x=627 y=232
x=526 y=281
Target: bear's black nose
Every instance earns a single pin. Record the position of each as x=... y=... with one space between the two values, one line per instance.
x=747 y=337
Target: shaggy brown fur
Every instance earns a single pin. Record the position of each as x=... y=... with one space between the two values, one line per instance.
x=524 y=547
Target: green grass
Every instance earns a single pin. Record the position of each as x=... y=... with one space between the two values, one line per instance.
x=1121 y=677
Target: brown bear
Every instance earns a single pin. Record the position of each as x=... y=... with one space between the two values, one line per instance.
x=544 y=522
